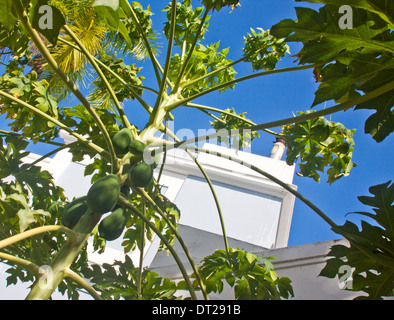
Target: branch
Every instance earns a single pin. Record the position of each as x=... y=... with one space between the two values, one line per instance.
x=186 y=61
x=235 y=81
x=30 y=233
x=125 y=121
x=53 y=64
x=167 y=63
x=30 y=266
x=82 y=282
x=178 y=261
x=340 y=107
x=55 y=121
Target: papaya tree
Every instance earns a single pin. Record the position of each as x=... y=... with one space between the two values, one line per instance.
x=40 y=226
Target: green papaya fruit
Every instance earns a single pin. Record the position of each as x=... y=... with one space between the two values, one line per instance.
x=74 y=211
x=104 y=194
x=141 y=174
x=111 y=227
x=122 y=140
x=137 y=147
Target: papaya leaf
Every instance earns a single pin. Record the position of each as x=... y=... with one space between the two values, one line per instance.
x=119 y=281
x=227 y=122
x=113 y=4
x=110 y=13
x=353 y=60
x=320 y=144
x=7 y=18
x=219 y=4
x=263 y=50
x=251 y=276
x=373 y=266
x=188 y=21
x=382 y=8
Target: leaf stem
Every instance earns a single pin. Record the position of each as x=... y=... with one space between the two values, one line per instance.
x=178 y=236
x=208 y=180
x=160 y=97
x=146 y=42
x=337 y=108
x=30 y=233
x=53 y=64
x=235 y=81
x=125 y=121
x=82 y=282
x=29 y=266
x=55 y=121
x=191 y=49
x=178 y=261
x=21 y=136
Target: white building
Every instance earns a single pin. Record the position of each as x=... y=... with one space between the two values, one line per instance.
x=257 y=217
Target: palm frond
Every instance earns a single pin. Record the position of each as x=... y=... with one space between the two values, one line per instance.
x=73 y=62
x=116 y=44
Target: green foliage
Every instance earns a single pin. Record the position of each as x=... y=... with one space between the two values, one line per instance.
x=319 y=143
x=348 y=62
x=33 y=92
x=14 y=39
x=352 y=60
x=129 y=73
x=229 y=122
x=252 y=277
x=29 y=199
x=205 y=60
x=188 y=21
x=263 y=50
x=373 y=269
x=219 y=4
x=120 y=281
x=52 y=23
x=7 y=14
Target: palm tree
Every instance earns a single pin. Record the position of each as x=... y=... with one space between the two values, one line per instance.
x=101 y=43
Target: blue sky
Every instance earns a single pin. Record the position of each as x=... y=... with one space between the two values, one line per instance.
x=276 y=97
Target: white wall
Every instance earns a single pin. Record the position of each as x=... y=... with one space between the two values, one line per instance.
x=257 y=212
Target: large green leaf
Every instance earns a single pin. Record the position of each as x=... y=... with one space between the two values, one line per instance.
x=251 y=276
x=373 y=265
x=383 y=8
x=113 y=4
x=352 y=60
x=319 y=144
x=120 y=281
x=111 y=14
x=7 y=17
x=323 y=38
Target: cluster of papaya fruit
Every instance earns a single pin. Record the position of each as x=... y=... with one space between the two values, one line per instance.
x=104 y=194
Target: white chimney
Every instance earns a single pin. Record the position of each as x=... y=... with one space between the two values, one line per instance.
x=278 y=149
